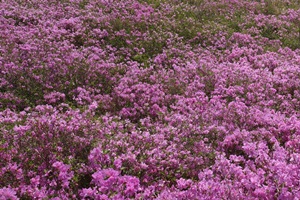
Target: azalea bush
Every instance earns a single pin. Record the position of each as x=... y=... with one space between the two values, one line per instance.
x=103 y=99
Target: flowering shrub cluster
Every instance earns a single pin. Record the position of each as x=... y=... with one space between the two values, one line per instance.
x=132 y=99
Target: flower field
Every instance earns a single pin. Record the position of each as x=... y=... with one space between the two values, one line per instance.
x=149 y=99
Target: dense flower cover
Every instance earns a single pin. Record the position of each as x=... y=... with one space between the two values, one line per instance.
x=153 y=99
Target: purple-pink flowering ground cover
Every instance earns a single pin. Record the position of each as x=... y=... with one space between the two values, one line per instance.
x=111 y=99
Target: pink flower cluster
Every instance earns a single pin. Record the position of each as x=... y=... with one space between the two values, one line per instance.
x=148 y=100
